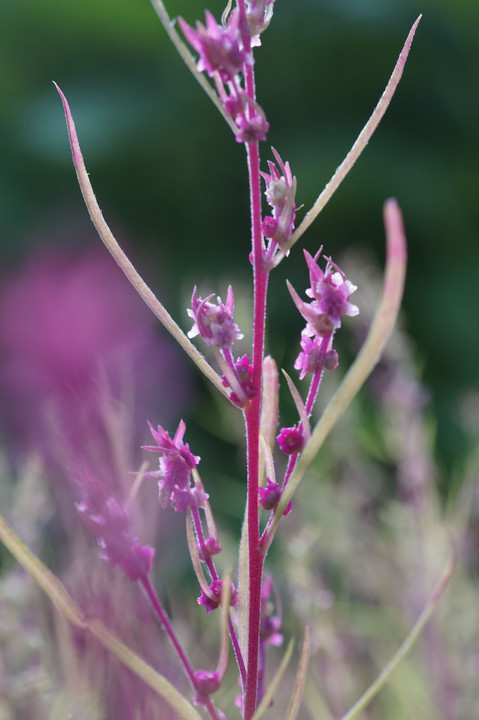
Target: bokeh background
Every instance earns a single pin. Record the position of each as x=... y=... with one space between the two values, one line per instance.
x=172 y=184
x=171 y=180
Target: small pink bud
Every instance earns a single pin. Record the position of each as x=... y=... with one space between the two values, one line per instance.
x=291 y=440
x=269 y=496
x=206 y=682
x=211 y=547
x=331 y=360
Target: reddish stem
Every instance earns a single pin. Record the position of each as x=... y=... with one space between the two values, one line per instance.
x=165 y=621
x=252 y=418
x=214 y=576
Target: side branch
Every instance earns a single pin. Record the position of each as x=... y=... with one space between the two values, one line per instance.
x=124 y=263
x=369 y=355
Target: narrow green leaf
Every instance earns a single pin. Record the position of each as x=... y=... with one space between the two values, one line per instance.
x=124 y=263
x=222 y=666
x=150 y=676
x=273 y=686
x=356 y=150
x=270 y=402
x=70 y=610
x=49 y=583
x=408 y=643
x=298 y=401
x=298 y=690
x=372 y=349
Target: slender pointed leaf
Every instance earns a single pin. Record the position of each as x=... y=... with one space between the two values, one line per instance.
x=406 y=646
x=123 y=262
x=273 y=686
x=378 y=336
x=70 y=610
x=356 y=150
x=298 y=401
x=298 y=690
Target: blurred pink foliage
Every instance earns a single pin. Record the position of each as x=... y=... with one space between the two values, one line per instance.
x=72 y=334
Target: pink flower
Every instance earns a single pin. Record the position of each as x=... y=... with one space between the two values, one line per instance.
x=258 y=14
x=330 y=290
x=310 y=360
x=315 y=355
x=212 y=600
x=176 y=463
x=206 y=683
x=219 y=48
x=270 y=495
x=102 y=512
x=243 y=371
x=291 y=440
x=252 y=129
x=214 y=322
x=280 y=193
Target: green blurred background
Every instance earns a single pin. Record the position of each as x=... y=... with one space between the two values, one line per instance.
x=171 y=180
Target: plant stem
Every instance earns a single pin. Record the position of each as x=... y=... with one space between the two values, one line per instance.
x=252 y=418
x=165 y=621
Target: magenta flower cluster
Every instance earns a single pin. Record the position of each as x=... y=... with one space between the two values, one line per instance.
x=108 y=519
x=214 y=322
x=224 y=53
x=174 y=474
x=280 y=193
x=216 y=327
x=330 y=291
x=251 y=616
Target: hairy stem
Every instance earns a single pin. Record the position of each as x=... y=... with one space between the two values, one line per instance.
x=253 y=413
x=165 y=622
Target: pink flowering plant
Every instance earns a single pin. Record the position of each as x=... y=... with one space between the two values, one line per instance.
x=220 y=54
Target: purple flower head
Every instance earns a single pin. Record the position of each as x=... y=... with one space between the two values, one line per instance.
x=252 y=129
x=244 y=375
x=311 y=359
x=258 y=15
x=212 y=599
x=330 y=290
x=176 y=464
x=214 y=322
x=280 y=193
x=291 y=440
x=269 y=496
x=206 y=683
x=108 y=519
x=331 y=360
x=220 y=48
x=315 y=354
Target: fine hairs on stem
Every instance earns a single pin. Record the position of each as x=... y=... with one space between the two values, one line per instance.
x=220 y=53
